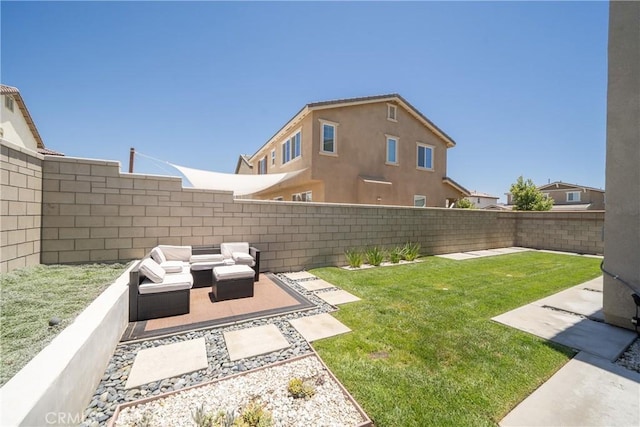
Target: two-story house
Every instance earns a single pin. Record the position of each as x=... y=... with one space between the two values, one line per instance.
x=570 y=196
x=482 y=200
x=16 y=124
x=370 y=150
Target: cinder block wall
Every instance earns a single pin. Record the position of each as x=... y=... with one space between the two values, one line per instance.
x=580 y=232
x=92 y=212
x=20 y=207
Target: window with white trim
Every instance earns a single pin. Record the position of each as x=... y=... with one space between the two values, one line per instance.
x=425 y=157
x=273 y=157
x=419 y=201
x=392 y=150
x=392 y=112
x=302 y=197
x=8 y=102
x=328 y=137
x=573 y=196
x=292 y=148
x=262 y=166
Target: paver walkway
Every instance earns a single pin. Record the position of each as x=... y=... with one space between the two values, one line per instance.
x=254 y=341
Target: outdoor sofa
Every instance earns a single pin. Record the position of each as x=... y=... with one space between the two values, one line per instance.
x=159 y=284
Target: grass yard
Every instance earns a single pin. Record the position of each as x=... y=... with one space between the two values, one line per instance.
x=424 y=351
x=32 y=296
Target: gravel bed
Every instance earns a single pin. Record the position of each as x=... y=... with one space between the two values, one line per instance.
x=630 y=359
x=327 y=407
x=110 y=392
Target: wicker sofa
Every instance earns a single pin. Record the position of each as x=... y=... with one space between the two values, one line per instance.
x=159 y=284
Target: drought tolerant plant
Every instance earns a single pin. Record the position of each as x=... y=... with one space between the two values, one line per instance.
x=375 y=256
x=411 y=251
x=209 y=419
x=354 y=258
x=254 y=415
x=396 y=254
x=298 y=389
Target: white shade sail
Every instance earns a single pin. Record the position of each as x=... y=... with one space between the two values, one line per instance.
x=240 y=184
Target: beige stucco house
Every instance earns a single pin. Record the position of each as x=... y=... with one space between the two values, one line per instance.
x=571 y=196
x=16 y=125
x=482 y=200
x=370 y=150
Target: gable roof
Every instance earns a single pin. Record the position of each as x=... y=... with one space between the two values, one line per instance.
x=557 y=184
x=457 y=186
x=393 y=97
x=15 y=93
x=244 y=158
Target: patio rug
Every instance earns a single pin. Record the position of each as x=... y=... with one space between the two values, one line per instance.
x=270 y=297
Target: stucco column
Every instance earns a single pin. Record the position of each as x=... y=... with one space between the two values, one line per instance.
x=622 y=216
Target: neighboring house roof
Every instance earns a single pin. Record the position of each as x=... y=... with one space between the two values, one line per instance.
x=49 y=152
x=498 y=207
x=572 y=207
x=244 y=158
x=304 y=111
x=457 y=186
x=479 y=194
x=557 y=184
x=15 y=93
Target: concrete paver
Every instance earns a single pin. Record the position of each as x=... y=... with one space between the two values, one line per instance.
x=458 y=256
x=254 y=341
x=573 y=331
x=167 y=361
x=337 y=297
x=299 y=275
x=596 y=284
x=315 y=285
x=587 y=391
x=313 y=328
x=576 y=300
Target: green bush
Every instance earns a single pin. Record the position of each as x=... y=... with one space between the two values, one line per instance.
x=375 y=256
x=411 y=251
x=354 y=258
x=396 y=254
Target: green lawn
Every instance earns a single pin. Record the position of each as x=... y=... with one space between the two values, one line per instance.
x=424 y=351
x=32 y=296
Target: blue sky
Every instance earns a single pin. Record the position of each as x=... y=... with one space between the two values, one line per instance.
x=520 y=86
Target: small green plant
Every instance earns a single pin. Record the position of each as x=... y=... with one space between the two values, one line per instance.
x=354 y=258
x=396 y=254
x=203 y=418
x=375 y=256
x=411 y=251
x=254 y=415
x=298 y=389
x=465 y=204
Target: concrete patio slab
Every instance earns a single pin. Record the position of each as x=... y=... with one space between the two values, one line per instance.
x=587 y=391
x=254 y=341
x=510 y=250
x=337 y=297
x=595 y=284
x=458 y=256
x=573 y=331
x=315 y=285
x=299 y=275
x=167 y=361
x=485 y=253
x=576 y=300
x=313 y=328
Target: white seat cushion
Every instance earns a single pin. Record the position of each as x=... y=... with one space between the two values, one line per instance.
x=199 y=266
x=174 y=266
x=171 y=282
x=231 y=272
x=176 y=253
x=157 y=255
x=227 y=249
x=152 y=270
x=206 y=258
x=243 y=258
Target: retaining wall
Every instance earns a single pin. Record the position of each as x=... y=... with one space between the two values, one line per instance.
x=20 y=207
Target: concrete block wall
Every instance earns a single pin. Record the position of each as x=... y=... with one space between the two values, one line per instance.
x=580 y=232
x=20 y=207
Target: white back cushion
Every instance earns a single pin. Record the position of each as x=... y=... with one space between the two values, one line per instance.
x=176 y=253
x=152 y=270
x=227 y=249
x=157 y=255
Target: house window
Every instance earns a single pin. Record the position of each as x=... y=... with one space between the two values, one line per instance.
x=8 y=102
x=573 y=196
x=420 y=201
x=392 y=111
x=262 y=166
x=302 y=197
x=425 y=157
x=328 y=137
x=291 y=148
x=273 y=157
x=392 y=150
